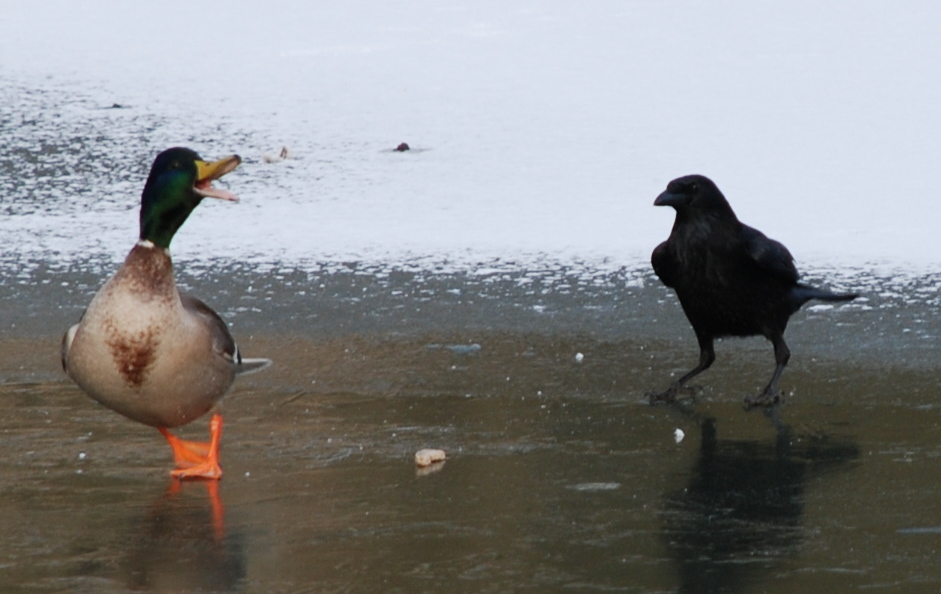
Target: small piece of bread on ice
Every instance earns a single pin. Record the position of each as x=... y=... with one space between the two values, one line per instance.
x=429 y=457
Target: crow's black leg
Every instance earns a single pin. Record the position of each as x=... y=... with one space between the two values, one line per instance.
x=707 y=356
x=771 y=394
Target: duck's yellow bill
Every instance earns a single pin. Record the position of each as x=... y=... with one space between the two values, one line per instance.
x=206 y=173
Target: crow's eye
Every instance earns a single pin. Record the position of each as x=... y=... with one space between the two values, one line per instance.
x=693 y=188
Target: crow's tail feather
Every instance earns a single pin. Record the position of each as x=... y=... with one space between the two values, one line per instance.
x=806 y=293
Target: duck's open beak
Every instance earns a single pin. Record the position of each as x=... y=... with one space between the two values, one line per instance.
x=206 y=173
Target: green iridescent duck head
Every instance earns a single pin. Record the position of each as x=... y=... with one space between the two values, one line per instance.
x=179 y=180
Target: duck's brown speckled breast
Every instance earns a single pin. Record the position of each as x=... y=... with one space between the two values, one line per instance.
x=138 y=351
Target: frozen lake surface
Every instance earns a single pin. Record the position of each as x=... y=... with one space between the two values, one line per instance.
x=539 y=131
x=488 y=292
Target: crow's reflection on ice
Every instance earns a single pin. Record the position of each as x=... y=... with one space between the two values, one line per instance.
x=181 y=544
x=742 y=507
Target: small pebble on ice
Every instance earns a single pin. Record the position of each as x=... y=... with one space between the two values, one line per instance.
x=428 y=457
x=579 y=357
x=678 y=435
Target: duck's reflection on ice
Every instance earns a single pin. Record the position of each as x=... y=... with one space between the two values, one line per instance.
x=182 y=544
x=741 y=510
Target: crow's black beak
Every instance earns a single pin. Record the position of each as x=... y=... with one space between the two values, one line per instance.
x=669 y=199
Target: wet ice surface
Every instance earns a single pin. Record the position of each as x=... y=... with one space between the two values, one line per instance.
x=486 y=293
x=556 y=479
x=558 y=476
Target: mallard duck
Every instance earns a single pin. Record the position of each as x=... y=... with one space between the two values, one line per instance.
x=147 y=351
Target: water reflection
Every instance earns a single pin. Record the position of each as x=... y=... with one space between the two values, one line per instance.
x=181 y=544
x=741 y=510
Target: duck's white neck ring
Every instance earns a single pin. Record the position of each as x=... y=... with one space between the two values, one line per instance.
x=149 y=245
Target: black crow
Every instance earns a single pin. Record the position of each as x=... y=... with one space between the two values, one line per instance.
x=731 y=279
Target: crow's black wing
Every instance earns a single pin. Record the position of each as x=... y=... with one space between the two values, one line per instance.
x=664 y=264
x=769 y=254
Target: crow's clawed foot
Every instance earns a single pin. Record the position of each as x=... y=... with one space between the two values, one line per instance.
x=767 y=399
x=666 y=397
x=669 y=396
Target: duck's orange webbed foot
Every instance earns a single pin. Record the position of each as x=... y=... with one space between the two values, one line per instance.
x=197 y=459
